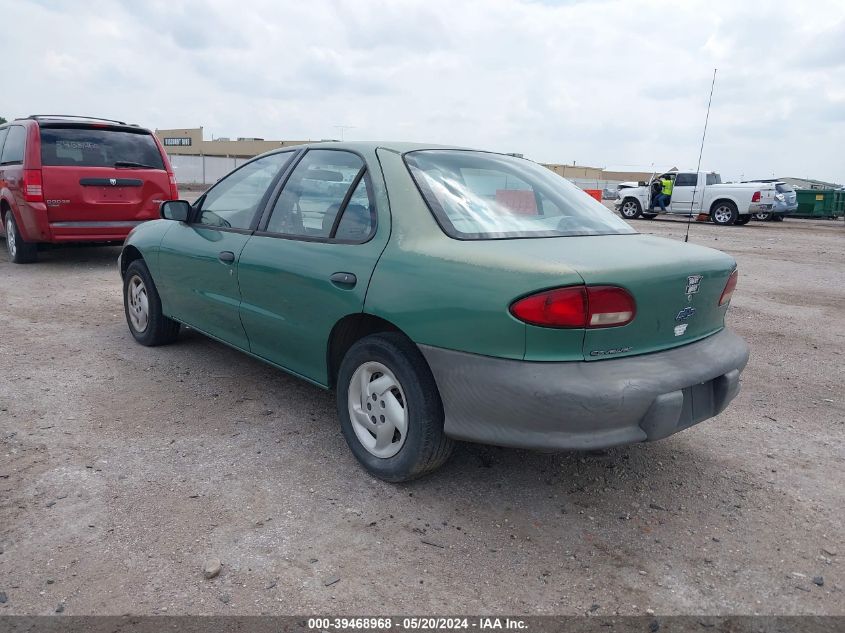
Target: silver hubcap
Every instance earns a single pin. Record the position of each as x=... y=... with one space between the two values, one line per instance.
x=378 y=409
x=722 y=215
x=629 y=209
x=762 y=216
x=139 y=303
x=10 y=237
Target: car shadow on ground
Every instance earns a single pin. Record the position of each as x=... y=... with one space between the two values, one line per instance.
x=684 y=465
x=70 y=254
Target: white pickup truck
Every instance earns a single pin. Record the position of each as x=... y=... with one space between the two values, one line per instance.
x=695 y=193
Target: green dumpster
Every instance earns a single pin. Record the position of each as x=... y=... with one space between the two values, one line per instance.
x=820 y=203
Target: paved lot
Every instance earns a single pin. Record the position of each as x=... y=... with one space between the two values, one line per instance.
x=122 y=468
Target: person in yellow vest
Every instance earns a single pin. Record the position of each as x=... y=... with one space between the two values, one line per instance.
x=667 y=183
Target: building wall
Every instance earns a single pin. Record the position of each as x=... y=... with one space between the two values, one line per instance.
x=189 y=141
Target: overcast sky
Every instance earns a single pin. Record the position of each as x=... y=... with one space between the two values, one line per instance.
x=618 y=84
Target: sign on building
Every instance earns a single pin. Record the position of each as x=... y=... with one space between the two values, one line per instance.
x=181 y=141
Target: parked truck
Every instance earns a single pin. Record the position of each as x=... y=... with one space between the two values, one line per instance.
x=699 y=193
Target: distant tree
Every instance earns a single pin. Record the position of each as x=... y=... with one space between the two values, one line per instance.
x=2 y=120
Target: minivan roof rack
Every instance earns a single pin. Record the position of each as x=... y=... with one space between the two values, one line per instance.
x=72 y=116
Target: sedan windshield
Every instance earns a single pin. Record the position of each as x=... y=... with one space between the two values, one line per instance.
x=481 y=196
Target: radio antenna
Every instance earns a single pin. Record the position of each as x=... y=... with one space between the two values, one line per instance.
x=700 y=152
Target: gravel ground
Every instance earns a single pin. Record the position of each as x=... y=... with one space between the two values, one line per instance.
x=124 y=469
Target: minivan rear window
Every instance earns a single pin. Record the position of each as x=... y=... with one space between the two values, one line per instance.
x=87 y=147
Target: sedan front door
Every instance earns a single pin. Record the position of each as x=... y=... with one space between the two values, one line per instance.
x=198 y=261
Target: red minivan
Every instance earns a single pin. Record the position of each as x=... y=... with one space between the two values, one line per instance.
x=77 y=179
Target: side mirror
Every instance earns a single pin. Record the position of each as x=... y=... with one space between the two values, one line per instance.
x=179 y=210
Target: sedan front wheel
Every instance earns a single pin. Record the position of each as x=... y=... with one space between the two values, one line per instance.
x=390 y=409
x=142 y=306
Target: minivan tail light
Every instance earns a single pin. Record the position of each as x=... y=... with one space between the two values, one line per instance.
x=576 y=307
x=33 y=189
x=755 y=197
x=174 y=188
x=728 y=292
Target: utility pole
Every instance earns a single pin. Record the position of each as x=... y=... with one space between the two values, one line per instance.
x=343 y=128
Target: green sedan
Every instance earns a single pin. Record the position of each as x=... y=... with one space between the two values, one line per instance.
x=444 y=294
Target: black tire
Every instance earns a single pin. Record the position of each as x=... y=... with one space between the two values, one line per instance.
x=724 y=213
x=630 y=209
x=159 y=329
x=425 y=446
x=777 y=218
x=742 y=220
x=20 y=251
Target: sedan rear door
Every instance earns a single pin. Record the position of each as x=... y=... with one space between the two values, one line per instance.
x=310 y=262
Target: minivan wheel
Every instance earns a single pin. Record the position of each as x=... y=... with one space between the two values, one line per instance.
x=142 y=306
x=390 y=410
x=20 y=251
x=630 y=209
x=724 y=213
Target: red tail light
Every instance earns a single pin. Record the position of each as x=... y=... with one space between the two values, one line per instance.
x=174 y=189
x=33 y=190
x=755 y=197
x=728 y=292
x=577 y=307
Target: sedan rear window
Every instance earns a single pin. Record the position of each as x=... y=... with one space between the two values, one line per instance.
x=88 y=147
x=782 y=187
x=482 y=196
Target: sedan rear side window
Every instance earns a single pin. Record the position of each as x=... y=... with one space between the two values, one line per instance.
x=323 y=185
x=14 y=147
x=481 y=196
x=89 y=147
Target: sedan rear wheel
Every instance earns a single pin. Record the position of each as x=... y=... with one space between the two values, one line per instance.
x=390 y=409
x=630 y=209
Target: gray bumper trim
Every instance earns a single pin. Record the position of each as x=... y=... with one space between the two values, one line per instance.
x=590 y=404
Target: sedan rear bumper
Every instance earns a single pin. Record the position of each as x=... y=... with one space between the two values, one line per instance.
x=590 y=404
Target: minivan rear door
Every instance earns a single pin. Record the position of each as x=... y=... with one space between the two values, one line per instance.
x=100 y=174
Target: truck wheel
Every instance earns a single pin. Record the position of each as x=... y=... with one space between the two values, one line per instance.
x=20 y=251
x=630 y=209
x=390 y=410
x=763 y=216
x=724 y=213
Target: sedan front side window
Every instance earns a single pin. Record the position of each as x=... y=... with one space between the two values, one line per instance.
x=233 y=202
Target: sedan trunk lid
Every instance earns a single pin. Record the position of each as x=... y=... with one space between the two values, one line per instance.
x=676 y=288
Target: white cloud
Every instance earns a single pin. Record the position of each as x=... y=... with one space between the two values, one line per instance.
x=612 y=83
